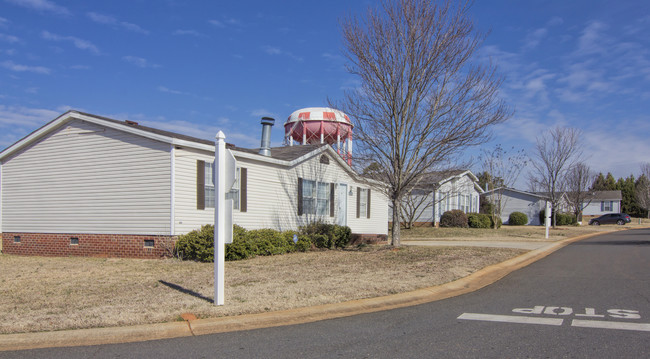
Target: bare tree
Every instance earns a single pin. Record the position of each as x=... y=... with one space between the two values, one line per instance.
x=422 y=98
x=502 y=169
x=416 y=201
x=578 y=180
x=556 y=151
x=642 y=188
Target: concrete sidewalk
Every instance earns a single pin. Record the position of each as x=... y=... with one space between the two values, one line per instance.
x=189 y=327
x=530 y=245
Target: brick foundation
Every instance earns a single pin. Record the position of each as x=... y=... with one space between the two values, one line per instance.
x=90 y=245
x=360 y=238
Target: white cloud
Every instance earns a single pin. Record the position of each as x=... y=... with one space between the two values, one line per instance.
x=188 y=32
x=217 y=23
x=224 y=22
x=9 y=38
x=271 y=50
x=77 y=42
x=555 y=21
x=18 y=121
x=533 y=38
x=80 y=67
x=42 y=6
x=140 y=62
x=602 y=157
x=592 y=40
x=10 y=65
x=109 y=20
x=3 y=21
x=168 y=90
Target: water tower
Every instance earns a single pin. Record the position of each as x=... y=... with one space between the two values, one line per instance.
x=320 y=125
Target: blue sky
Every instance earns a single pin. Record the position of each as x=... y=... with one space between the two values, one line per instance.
x=197 y=67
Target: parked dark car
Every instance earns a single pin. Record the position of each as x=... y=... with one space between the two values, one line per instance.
x=611 y=218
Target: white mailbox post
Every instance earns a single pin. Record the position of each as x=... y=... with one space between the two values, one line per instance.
x=224 y=178
x=547 y=217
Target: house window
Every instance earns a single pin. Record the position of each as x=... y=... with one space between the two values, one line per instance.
x=606 y=206
x=16 y=239
x=74 y=241
x=315 y=197
x=363 y=202
x=209 y=185
x=149 y=243
x=234 y=191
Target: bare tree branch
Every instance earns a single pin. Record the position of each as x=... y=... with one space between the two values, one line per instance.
x=557 y=151
x=422 y=98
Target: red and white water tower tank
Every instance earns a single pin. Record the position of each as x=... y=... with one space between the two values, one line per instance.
x=320 y=125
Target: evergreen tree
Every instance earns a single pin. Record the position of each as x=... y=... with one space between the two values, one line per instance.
x=610 y=182
x=629 y=203
x=599 y=183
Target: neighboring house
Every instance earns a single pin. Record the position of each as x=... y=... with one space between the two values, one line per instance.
x=88 y=185
x=439 y=192
x=531 y=204
x=602 y=202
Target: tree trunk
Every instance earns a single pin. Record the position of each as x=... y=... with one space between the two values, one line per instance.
x=395 y=240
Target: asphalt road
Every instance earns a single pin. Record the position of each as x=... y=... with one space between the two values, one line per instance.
x=590 y=299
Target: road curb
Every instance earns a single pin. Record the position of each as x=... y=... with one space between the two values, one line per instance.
x=137 y=333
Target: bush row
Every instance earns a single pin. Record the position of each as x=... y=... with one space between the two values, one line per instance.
x=563 y=219
x=457 y=218
x=198 y=245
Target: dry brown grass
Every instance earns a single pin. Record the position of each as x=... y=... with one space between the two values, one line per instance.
x=512 y=233
x=42 y=293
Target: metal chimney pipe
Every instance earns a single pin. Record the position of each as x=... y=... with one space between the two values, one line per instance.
x=265 y=146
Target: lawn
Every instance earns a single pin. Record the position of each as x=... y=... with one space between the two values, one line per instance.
x=512 y=233
x=53 y=293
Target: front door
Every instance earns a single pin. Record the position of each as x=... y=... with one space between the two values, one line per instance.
x=342 y=204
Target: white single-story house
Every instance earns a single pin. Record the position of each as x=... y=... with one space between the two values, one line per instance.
x=513 y=200
x=439 y=192
x=602 y=202
x=88 y=185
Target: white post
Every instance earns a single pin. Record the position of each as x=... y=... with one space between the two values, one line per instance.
x=547 y=217
x=219 y=217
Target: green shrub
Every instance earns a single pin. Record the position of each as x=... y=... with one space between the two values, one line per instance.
x=478 y=220
x=496 y=219
x=454 y=218
x=197 y=245
x=517 y=219
x=335 y=236
x=304 y=243
x=566 y=219
x=562 y=219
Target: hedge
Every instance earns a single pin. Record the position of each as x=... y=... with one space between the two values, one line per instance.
x=198 y=245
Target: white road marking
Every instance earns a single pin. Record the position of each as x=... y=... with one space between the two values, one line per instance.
x=645 y=327
x=510 y=319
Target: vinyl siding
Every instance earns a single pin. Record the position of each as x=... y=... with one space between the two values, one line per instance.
x=84 y=178
x=272 y=195
x=520 y=202
x=593 y=209
x=431 y=211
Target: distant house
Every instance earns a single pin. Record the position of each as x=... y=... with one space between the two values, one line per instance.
x=439 y=192
x=513 y=200
x=602 y=202
x=93 y=186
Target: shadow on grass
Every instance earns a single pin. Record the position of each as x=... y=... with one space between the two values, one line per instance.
x=187 y=291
